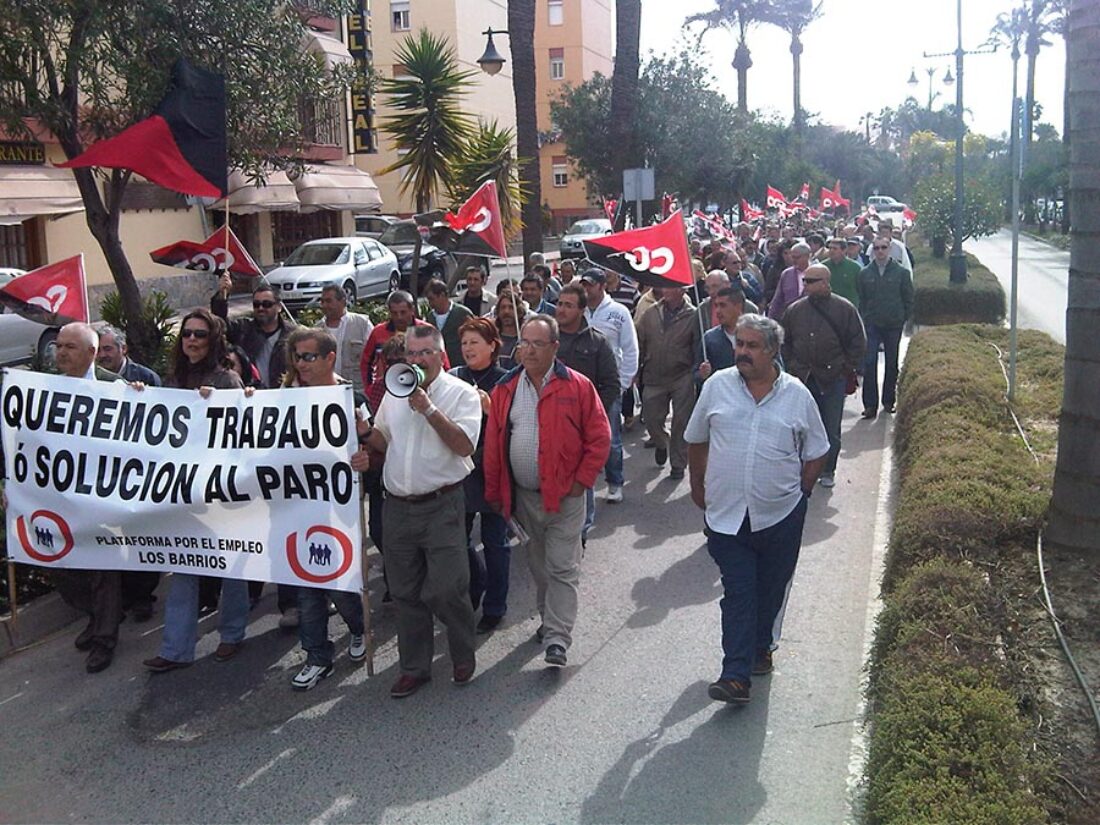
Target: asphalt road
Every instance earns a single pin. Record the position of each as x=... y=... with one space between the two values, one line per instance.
x=626 y=733
x=1043 y=279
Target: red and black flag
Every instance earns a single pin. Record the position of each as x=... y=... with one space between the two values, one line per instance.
x=220 y=252
x=654 y=255
x=477 y=228
x=182 y=146
x=53 y=294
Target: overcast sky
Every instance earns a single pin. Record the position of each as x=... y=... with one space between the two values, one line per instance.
x=859 y=55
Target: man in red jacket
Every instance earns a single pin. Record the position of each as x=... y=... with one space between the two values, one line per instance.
x=546 y=441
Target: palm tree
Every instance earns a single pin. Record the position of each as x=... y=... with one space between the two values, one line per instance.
x=624 y=82
x=429 y=129
x=521 y=34
x=490 y=154
x=1041 y=19
x=741 y=15
x=793 y=16
x=1075 y=506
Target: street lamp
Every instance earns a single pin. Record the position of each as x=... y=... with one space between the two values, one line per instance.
x=491 y=62
x=948 y=80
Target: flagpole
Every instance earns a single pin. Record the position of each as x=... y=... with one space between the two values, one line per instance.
x=12 y=601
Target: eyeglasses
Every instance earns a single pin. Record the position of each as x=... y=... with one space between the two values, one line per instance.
x=263 y=304
x=812 y=280
x=539 y=345
x=308 y=357
x=420 y=353
x=195 y=333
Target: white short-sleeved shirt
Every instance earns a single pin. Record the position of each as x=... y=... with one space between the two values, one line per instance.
x=417 y=459
x=756 y=449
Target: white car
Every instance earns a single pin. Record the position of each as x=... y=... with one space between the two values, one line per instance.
x=20 y=339
x=362 y=266
x=884 y=204
x=586 y=229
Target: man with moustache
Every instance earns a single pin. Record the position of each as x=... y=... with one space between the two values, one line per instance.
x=756 y=446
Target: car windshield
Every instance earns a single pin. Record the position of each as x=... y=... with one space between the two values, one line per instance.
x=397 y=234
x=318 y=254
x=586 y=228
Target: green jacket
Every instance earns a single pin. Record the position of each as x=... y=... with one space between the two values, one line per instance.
x=885 y=300
x=843 y=278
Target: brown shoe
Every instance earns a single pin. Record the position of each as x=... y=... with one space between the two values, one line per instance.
x=158 y=664
x=226 y=651
x=407 y=685
x=464 y=673
x=729 y=690
x=762 y=664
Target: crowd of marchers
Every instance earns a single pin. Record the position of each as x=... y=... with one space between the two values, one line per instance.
x=524 y=391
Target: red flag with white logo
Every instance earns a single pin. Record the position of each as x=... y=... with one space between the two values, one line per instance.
x=220 y=252
x=828 y=199
x=909 y=215
x=748 y=213
x=654 y=255
x=804 y=193
x=54 y=294
x=478 y=225
x=776 y=199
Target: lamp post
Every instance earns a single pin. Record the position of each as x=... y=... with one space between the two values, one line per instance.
x=930 y=71
x=491 y=61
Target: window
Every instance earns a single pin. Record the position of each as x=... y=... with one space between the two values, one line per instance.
x=556 y=13
x=560 y=171
x=399 y=15
x=557 y=64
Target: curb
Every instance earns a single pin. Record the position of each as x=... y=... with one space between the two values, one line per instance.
x=39 y=620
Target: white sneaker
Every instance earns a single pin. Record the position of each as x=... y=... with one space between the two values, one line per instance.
x=357 y=647
x=614 y=493
x=289 y=619
x=309 y=676
x=827 y=481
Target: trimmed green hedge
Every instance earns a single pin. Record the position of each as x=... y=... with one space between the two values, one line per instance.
x=936 y=301
x=948 y=741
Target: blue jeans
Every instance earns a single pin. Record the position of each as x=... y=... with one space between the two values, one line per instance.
x=489 y=576
x=890 y=339
x=313 y=624
x=181 y=616
x=756 y=568
x=613 y=471
x=830 y=403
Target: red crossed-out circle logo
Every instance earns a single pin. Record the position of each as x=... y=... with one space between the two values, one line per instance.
x=320 y=553
x=48 y=526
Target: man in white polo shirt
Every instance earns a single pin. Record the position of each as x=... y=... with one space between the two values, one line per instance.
x=756 y=446
x=428 y=440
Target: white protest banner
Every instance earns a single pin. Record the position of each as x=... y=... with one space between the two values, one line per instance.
x=102 y=476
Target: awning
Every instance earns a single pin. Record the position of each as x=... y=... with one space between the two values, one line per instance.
x=338 y=188
x=245 y=197
x=31 y=191
x=331 y=50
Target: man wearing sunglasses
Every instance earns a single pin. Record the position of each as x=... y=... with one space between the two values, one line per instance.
x=263 y=336
x=885 y=304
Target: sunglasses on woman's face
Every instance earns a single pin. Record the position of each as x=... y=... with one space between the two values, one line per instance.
x=195 y=333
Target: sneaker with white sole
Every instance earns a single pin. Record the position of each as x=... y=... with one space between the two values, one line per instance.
x=827 y=481
x=614 y=493
x=309 y=676
x=357 y=647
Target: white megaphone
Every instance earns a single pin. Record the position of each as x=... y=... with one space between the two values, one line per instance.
x=403 y=379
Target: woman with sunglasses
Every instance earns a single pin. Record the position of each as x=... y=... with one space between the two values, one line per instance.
x=199 y=363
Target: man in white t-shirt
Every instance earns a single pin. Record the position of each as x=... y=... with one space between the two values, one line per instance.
x=350 y=329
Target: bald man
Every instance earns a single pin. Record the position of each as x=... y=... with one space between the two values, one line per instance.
x=823 y=343
x=95 y=592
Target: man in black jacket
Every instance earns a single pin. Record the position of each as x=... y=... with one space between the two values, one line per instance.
x=586 y=350
x=263 y=336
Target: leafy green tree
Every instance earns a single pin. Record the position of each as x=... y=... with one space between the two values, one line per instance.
x=934 y=201
x=87 y=70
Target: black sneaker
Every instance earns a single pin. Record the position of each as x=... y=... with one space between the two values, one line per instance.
x=661 y=456
x=488 y=624
x=729 y=690
x=555 y=656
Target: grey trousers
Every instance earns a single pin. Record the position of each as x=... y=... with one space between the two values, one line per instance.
x=554 y=556
x=655 y=404
x=429 y=574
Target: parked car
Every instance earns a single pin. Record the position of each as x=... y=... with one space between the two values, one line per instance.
x=20 y=339
x=363 y=267
x=401 y=238
x=372 y=226
x=572 y=242
x=884 y=204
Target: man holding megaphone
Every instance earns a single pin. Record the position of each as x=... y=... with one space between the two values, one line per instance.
x=428 y=425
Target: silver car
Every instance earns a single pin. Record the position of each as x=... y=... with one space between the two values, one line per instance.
x=363 y=267
x=20 y=338
x=587 y=229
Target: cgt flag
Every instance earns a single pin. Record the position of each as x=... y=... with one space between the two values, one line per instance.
x=776 y=199
x=748 y=213
x=182 y=146
x=54 y=294
x=218 y=253
x=477 y=229
x=654 y=255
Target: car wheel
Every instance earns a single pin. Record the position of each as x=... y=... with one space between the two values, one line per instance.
x=47 y=346
x=352 y=292
x=395 y=281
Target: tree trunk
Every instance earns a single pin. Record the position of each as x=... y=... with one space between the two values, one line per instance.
x=1029 y=107
x=742 y=62
x=1075 y=506
x=1065 y=134
x=624 y=83
x=521 y=29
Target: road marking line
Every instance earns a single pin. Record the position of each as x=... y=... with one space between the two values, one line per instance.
x=265 y=768
x=16 y=696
